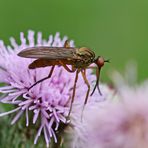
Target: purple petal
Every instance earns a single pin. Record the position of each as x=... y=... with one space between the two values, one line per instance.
x=36 y=114
x=9 y=112
x=27 y=118
x=18 y=115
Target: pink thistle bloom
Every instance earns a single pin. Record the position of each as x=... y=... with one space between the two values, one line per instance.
x=121 y=122
x=49 y=100
x=84 y=129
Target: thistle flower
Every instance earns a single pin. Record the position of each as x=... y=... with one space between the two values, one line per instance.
x=80 y=133
x=121 y=122
x=49 y=100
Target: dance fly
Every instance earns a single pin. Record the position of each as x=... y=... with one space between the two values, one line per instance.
x=79 y=58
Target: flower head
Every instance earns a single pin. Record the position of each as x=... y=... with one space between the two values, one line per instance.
x=49 y=100
x=119 y=123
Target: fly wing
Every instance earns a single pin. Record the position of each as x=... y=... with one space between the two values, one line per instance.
x=53 y=53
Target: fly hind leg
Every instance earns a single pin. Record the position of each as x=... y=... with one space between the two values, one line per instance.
x=51 y=71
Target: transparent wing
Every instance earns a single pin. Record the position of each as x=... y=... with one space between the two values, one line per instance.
x=48 y=52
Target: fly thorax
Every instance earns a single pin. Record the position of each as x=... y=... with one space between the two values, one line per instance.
x=85 y=53
x=85 y=57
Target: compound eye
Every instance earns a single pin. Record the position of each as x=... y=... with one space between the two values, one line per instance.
x=100 y=61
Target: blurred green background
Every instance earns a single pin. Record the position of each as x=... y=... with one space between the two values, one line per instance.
x=116 y=29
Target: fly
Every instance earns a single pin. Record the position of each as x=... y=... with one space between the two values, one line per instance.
x=79 y=58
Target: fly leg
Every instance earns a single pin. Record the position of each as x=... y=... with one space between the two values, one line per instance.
x=67 y=68
x=67 y=44
x=83 y=72
x=74 y=91
x=74 y=88
x=51 y=71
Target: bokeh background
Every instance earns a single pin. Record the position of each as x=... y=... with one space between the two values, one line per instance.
x=116 y=29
